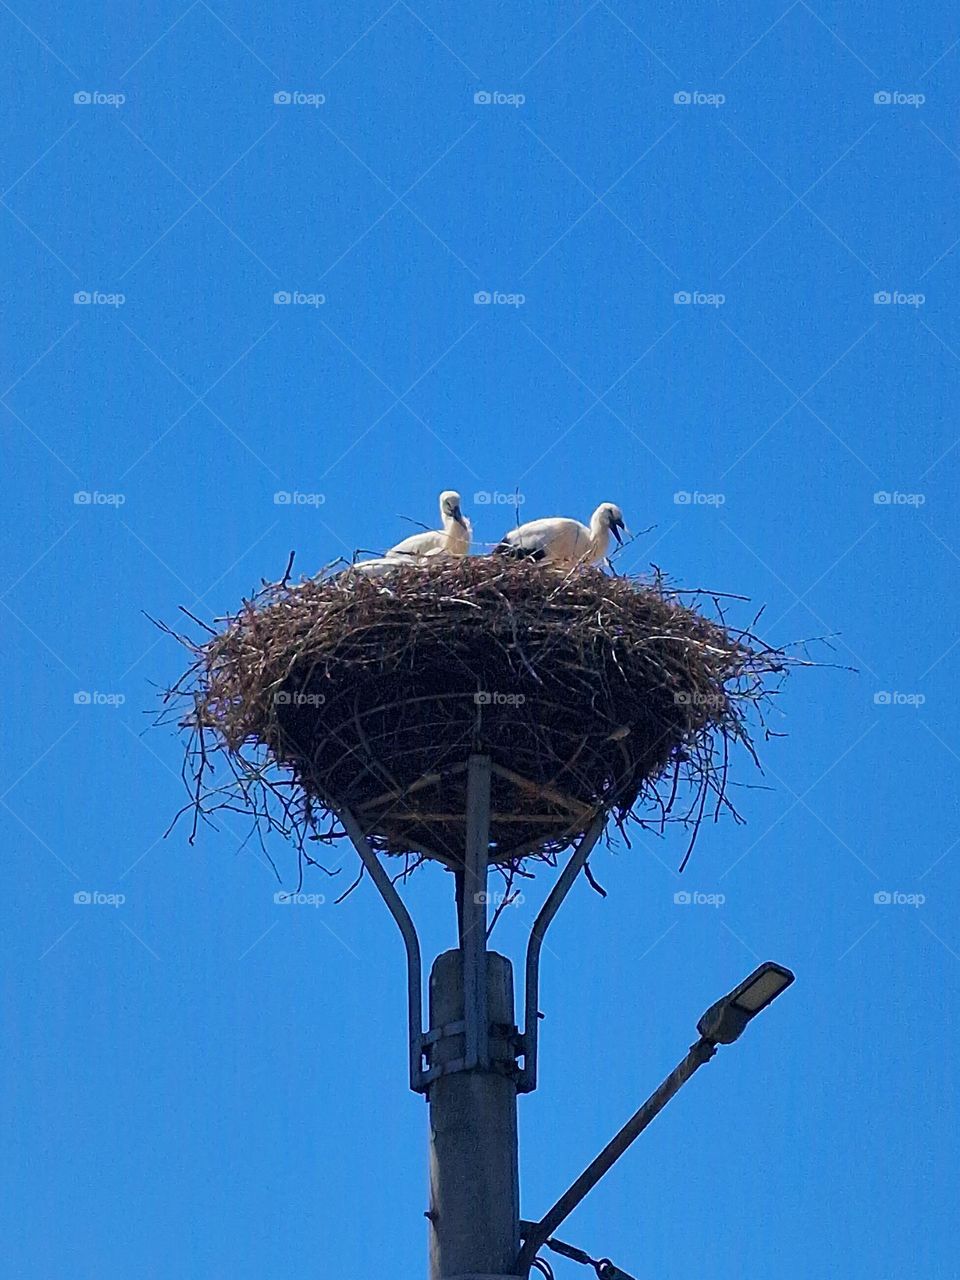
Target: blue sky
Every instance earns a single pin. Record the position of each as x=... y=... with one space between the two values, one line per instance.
x=201 y=1083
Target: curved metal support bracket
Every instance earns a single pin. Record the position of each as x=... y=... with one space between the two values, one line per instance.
x=411 y=943
x=531 y=1014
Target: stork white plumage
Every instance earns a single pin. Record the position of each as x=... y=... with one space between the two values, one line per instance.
x=559 y=540
x=452 y=540
x=378 y=567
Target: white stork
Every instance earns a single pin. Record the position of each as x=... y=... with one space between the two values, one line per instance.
x=558 y=540
x=452 y=540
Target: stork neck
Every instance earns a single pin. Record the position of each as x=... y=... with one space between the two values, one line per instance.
x=457 y=535
x=599 y=539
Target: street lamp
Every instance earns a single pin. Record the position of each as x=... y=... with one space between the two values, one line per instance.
x=726 y=1020
x=722 y=1023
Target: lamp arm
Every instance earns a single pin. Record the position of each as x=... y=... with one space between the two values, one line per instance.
x=541 y=1231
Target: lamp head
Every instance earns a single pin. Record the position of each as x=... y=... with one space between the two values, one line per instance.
x=726 y=1020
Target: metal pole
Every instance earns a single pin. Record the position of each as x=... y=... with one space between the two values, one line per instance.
x=474 y=911
x=699 y=1053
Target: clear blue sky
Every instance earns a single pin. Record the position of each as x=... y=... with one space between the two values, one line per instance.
x=200 y=1083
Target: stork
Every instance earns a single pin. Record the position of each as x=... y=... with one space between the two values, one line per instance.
x=423 y=548
x=452 y=540
x=559 y=540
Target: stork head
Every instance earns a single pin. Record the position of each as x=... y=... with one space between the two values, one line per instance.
x=450 y=506
x=609 y=516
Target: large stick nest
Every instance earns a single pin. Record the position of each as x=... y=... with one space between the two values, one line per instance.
x=589 y=693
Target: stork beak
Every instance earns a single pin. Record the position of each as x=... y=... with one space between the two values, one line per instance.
x=458 y=514
x=616 y=526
